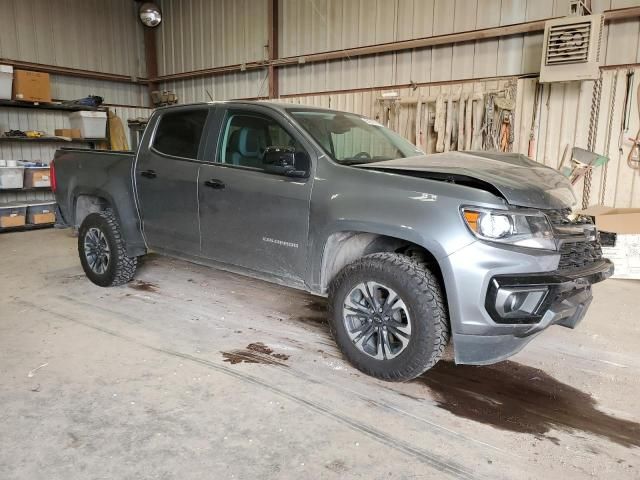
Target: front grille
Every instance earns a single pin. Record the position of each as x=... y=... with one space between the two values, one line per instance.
x=564 y=217
x=575 y=253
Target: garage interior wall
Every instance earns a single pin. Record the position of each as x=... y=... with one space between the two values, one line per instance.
x=86 y=35
x=201 y=34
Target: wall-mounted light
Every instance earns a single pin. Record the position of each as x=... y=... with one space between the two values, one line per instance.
x=150 y=14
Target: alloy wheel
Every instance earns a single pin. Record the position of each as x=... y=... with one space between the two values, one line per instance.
x=377 y=320
x=96 y=250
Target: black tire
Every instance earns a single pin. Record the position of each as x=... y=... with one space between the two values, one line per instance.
x=421 y=293
x=120 y=268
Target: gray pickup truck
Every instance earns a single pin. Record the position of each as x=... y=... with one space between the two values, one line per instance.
x=411 y=250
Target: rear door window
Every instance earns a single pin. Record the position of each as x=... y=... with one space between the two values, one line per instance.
x=179 y=133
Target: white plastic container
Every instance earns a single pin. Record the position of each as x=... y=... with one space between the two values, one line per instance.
x=6 y=81
x=91 y=124
x=11 y=177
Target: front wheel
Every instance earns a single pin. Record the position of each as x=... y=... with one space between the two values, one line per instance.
x=388 y=317
x=102 y=251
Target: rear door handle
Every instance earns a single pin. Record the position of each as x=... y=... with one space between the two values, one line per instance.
x=215 y=183
x=149 y=174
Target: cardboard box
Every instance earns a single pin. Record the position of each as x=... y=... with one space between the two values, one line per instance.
x=12 y=215
x=41 y=213
x=616 y=220
x=36 y=177
x=12 y=221
x=38 y=218
x=31 y=86
x=625 y=223
x=68 y=132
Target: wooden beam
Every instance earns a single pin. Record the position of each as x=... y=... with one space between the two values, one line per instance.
x=72 y=72
x=150 y=54
x=151 y=58
x=272 y=47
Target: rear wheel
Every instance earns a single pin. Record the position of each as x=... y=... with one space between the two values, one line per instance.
x=388 y=317
x=102 y=251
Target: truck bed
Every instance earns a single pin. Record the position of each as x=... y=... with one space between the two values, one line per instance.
x=87 y=180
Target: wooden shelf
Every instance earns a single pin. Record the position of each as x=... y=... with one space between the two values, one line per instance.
x=25 y=189
x=50 y=106
x=26 y=227
x=52 y=140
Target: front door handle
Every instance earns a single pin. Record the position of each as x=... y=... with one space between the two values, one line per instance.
x=149 y=174
x=215 y=183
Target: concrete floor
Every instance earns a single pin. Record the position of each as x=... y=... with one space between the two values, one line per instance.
x=195 y=373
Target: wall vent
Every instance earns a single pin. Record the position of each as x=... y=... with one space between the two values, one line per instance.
x=572 y=49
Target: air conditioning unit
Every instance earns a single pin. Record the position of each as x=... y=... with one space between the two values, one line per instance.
x=572 y=49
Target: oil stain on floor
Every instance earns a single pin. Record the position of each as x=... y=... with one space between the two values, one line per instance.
x=515 y=397
x=313 y=313
x=255 y=353
x=144 y=286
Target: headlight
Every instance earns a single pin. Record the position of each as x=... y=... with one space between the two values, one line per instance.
x=522 y=228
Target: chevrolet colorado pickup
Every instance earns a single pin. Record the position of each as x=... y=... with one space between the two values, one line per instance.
x=411 y=250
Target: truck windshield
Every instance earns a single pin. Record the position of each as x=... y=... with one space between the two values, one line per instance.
x=351 y=139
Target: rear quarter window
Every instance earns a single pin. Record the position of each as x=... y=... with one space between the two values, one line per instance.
x=178 y=134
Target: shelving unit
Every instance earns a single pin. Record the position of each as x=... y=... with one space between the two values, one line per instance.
x=17 y=192
x=27 y=227
x=51 y=139
x=90 y=141
x=26 y=189
x=51 y=106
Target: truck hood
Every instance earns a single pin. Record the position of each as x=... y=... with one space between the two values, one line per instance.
x=519 y=180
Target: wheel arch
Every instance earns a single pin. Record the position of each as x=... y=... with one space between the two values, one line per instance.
x=345 y=247
x=87 y=202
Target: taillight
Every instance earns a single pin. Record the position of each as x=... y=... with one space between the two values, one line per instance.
x=52 y=177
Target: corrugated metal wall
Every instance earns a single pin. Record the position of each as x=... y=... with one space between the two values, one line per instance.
x=321 y=25
x=249 y=84
x=97 y=35
x=198 y=34
x=312 y=26
x=563 y=119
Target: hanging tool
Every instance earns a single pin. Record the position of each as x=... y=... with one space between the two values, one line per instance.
x=607 y=143
x=531 y=150
x=633 y=159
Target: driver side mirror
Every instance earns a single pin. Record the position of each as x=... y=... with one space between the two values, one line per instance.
x=286 y=161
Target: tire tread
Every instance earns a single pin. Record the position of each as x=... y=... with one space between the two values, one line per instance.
x=125 y=266
x=428 y=295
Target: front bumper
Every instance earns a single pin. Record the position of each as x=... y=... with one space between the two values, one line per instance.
x=505 y=305
x=541 y=300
